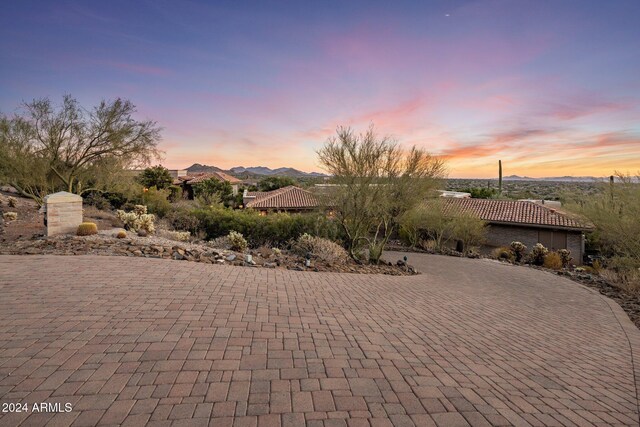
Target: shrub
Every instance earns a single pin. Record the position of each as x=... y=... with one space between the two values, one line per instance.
x=157 y=201
x=12 y=202
x=553 y=260
x=519 y=250
x=138 y=219
x=182 y=236
x=183 y=220
x=276 y=229
x=10 y=216
x=538 y=253
x=87 y=229
x=469 y=230
x=221 y=242
x=503 y=254
x=121 y=234
x=565 y=256
x=238 y=242
x=322 y=249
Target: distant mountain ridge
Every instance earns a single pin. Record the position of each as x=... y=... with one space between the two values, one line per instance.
x=254 y=170
x=555 y=178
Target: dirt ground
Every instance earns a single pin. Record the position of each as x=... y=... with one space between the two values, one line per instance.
x=30 y=222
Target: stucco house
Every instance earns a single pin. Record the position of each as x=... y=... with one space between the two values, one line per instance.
x=287 y=199
x=188 y=181
x=524 y=221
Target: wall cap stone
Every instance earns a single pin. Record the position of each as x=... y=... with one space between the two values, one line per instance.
x=62 y=197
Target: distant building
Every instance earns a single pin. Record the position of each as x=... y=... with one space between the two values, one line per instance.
x=454 y=194
x=526 y=222
x=286 y=199
x=186 y=182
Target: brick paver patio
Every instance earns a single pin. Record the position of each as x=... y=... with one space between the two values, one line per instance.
x=132 y=341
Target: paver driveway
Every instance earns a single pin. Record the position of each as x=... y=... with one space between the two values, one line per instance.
x=133 y=340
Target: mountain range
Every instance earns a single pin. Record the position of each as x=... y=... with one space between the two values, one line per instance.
x=254 y=170
x=555 y=178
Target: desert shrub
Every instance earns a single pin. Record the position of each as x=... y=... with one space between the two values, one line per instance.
x=538 y=253
x=138 y=219
x=222 y=242
x=12 y=202
x=565 y=256
x=319 y=248
x=157 y=201
x=469 y=230
x=503 y=254
x=10 y=216
x=552 y=260
x=428 y=245
x=87 y=229
x=96 y=199
x=238 y=242
x=121 y=234
x=183 y=220
x=182 y=236
x=276 y=229
x=623 y=272
x=519 y=250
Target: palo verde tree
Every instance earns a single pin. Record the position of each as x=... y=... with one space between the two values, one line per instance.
x=62 y=147
x=377 y=183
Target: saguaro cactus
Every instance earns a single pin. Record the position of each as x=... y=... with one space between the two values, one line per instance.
x=500 y=177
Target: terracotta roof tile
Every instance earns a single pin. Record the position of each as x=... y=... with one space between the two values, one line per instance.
x=290 y=197
x=515 y=212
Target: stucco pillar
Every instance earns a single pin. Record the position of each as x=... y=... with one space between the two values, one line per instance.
x=63 y=213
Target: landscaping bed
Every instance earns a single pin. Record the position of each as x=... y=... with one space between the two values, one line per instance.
x=158 y=247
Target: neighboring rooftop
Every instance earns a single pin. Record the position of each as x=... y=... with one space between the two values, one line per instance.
x=289 y=197
x=514 y=212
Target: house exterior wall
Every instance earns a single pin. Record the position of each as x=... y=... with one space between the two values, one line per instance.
x=503 y=235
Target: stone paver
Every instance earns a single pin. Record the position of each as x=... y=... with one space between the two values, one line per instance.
x=131 y=341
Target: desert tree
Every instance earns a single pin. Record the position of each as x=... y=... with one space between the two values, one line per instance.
x=377 y=182
x=156 y=176
x=271 y=183
x=68 y=143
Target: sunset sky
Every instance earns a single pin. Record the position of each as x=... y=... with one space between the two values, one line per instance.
x=550 y=87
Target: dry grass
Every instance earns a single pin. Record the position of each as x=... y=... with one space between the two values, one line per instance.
x=628 y=281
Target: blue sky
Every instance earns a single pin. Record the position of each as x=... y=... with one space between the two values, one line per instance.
x=551 y=88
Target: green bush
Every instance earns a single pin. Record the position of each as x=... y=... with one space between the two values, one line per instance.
x=276 y=229
x=183 y=220
x=157 y=201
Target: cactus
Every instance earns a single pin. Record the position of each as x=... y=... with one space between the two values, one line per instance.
x=500 y=177
x=121 y=234
x=87 y=229
x=10 y=216
x=238 y=242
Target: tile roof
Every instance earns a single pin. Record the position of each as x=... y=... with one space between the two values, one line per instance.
x=514 y=212
x=220 y=176
x=289 y=197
